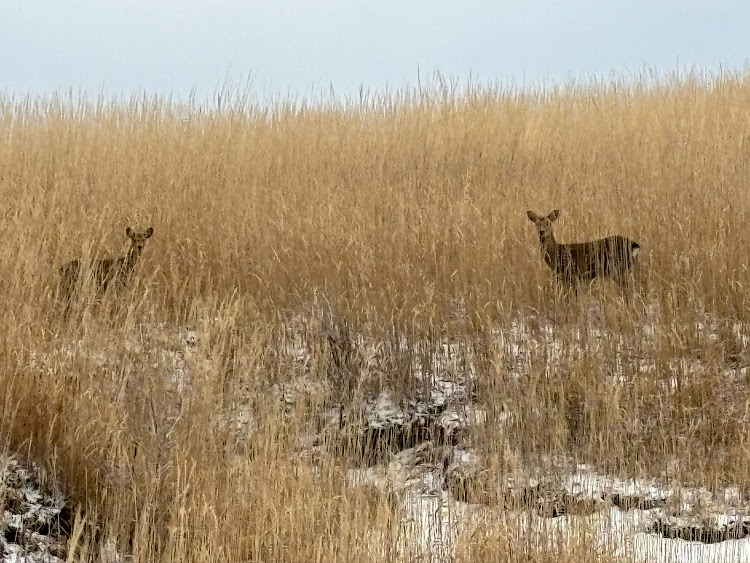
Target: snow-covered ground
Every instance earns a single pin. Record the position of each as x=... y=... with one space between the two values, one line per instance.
x=650 y=521
x=431 y=519
x=424 y=437
x=31 y=515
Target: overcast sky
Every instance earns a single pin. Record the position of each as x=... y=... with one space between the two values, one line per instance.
x=305 y=46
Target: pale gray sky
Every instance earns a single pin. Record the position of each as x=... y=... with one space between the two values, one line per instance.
x=302 y=46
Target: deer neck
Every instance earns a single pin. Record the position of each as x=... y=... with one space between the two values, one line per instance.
x=131 y=259
x=549 y=247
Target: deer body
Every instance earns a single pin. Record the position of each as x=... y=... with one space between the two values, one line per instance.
x=106 y=272
x=612 y=257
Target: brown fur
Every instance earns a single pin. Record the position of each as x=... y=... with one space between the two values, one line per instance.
x=103 y=273
x=613 y=256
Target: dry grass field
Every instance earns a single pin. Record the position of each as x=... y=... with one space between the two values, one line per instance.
x=312 y=258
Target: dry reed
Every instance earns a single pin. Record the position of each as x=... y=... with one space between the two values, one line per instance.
x=404 y=213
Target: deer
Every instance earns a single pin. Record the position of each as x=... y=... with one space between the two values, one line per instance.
x=610 y=257
x=103 y=273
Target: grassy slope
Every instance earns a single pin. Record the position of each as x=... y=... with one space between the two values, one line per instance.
x=408 y=214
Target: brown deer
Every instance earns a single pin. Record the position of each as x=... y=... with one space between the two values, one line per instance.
x=103 y=273
x=612 y=257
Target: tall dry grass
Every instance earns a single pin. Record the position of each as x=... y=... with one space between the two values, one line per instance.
x=403 y=212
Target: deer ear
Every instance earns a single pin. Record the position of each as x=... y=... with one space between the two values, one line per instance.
x=129 y=232
x=532 y=216
x=554 y=215
x=149 y=232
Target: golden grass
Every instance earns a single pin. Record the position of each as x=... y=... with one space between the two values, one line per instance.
x=503 y=541
x=403 y=213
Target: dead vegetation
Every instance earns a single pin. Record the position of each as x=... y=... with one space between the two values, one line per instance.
x=310 y=256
